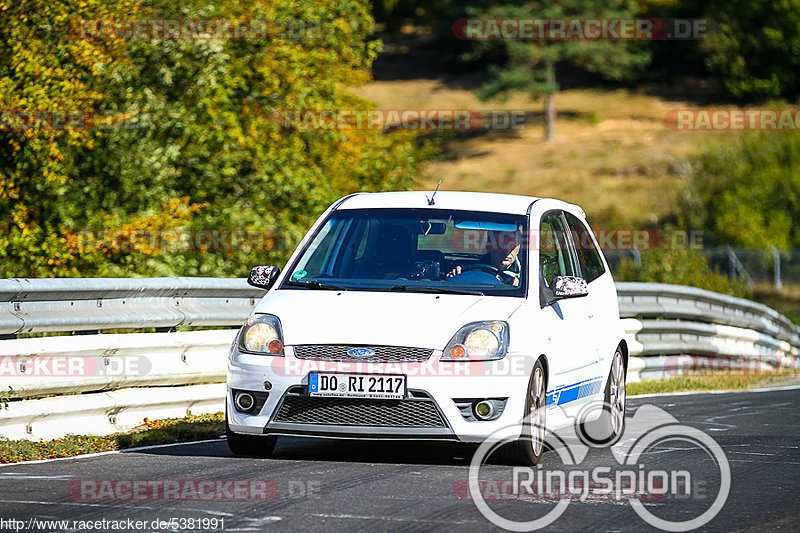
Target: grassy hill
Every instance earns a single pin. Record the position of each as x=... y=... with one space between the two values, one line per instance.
x=613 y=154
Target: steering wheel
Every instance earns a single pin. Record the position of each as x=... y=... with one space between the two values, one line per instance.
x=501 y=276
x=486 y=268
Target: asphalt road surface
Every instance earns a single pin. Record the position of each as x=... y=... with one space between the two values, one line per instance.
x=341 y=485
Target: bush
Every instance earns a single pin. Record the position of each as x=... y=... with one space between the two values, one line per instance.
x=679 y=267
x=198 y=145
x=747 y=193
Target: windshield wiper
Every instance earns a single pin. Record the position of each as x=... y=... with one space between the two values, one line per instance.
x=315 y=284
x=434 y=290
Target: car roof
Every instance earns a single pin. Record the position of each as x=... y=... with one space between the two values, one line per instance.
x=468 y=201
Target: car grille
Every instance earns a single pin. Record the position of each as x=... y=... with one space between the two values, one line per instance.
x=359 y=412
x=383 y=354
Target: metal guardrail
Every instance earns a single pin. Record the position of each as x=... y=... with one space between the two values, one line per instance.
x=660 y=300
x=90 y=363
x=662 y=323
x=103 y=413
x=675 y=337
x=86 y=304
x=657 y=368
x=89 y=304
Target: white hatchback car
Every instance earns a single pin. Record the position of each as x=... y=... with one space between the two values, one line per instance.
x=407 y=315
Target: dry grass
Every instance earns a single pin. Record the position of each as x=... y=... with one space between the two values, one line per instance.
x=714 y=382
x=613 y=153
x=786 y=302
x=188 y=429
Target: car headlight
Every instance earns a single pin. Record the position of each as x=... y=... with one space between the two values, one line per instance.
x=262 y=334
x=478 y=341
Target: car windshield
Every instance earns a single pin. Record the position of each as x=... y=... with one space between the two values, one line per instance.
x=415 y=250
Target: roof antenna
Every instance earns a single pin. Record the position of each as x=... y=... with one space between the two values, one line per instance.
x=430 y=200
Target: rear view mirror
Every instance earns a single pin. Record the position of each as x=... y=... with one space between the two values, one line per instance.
x=263 y=277
x=432 y=228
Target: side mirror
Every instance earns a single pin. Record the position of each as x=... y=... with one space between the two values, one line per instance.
x=562 y=287
x=263 y=277
x=569 y=287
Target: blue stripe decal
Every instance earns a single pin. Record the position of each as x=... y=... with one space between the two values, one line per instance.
x=576 y=391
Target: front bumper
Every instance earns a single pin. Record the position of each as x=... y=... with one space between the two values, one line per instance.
x=434 y=388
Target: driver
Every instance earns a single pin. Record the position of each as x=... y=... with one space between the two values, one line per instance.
x=502 y=248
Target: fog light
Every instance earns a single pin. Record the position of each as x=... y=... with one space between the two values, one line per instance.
x=244 y=401
x=484 y=410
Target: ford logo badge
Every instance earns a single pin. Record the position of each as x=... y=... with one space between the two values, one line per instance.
x=360 y=352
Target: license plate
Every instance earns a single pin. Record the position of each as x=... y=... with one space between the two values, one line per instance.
x=357 y=385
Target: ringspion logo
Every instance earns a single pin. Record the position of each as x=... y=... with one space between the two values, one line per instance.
x=636 y=478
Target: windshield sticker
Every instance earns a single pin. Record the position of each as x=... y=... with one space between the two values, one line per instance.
x=300 y=274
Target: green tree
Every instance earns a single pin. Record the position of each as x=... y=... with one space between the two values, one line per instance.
x=42 y=70
x=755 y=48
x=196 y=144
x=393 y=13
x=531 y=65
x=679 y=266
x=747 y=193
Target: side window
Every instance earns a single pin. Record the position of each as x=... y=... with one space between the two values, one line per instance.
x=319 y=249
x=555 y=256
x=591 y=262
x=323 y=252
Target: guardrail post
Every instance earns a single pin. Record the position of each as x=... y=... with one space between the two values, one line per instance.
x=736 y=266
x=637 y=257
x=776 y=255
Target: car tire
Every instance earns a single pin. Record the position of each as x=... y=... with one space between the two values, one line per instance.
x=250 y=445
x=528 y=450
x=607 y=429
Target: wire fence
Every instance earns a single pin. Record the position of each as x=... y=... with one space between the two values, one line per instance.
x=763 y=267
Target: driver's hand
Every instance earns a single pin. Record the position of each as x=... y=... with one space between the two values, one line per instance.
x=455 y=272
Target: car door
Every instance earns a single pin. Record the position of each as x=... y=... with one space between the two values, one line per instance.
x=601 y=303
x=574 y=368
